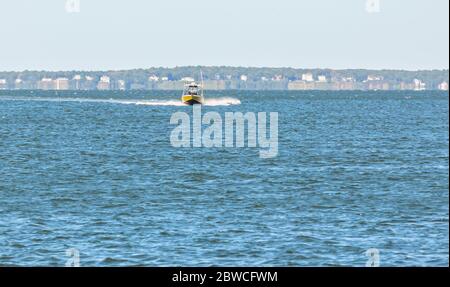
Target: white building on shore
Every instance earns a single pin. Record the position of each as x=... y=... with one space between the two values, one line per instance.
x=104 y=83
x=46 y=84
x=153 y=78
x=61 y=84
x=308 y=77
x=187 y=79
x=18 y=84
x=322 y=79
x=372 y=78
x=121 y=85
x=3 y=84
x=77 y=79
x=443 y=86
x=419 y=85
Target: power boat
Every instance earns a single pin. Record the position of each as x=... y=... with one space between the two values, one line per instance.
x=193 y=93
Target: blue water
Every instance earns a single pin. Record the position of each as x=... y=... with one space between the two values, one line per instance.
x=95 y=171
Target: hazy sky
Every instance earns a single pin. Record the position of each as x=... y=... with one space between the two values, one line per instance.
x=122 y=34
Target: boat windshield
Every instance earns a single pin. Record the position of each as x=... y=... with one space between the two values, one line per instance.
x=192 y=90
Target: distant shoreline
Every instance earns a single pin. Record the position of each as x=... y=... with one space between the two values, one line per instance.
x=228 y=78
x=107 y=92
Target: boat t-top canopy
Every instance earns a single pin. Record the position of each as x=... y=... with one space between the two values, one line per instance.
x=193 y=85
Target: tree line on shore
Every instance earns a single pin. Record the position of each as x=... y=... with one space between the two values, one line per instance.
x=431 y=77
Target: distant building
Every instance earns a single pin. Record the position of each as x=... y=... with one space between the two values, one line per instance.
x=244 y=78
x=61 y=84
x=419 y=85
x=372 y=78
x=88 y=83
x=46 y=84
x=308 y=77
x=121 y=85
x=77 y=79
x=277 y=78
x=345 y=85
x=153 y=78
x=164 y=79
x=3 y=84
x=443 y=86
x=322 y=79
x=406 y=86
x=378 y=85
x=18 y=84
x=301 y=85
x=264 y=79
x=187 y=79
x=104 y=83
x=348 y=80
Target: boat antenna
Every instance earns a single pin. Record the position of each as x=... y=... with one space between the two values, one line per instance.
x=201 y=76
